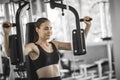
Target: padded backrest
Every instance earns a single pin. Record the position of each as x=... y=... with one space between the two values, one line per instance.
x=30 y=30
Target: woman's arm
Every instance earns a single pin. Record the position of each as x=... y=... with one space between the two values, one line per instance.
x=88 y=25
x=6 y=44
x=28 y=48
x=67 y=45
x=31 y=50
x=62 y=45
x=6 y=37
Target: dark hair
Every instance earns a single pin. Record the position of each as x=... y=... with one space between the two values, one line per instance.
x=37 y=24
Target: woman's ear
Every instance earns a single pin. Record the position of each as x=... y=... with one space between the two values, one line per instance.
x=36 y=29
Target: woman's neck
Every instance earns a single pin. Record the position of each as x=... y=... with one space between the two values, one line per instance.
x=43 y=42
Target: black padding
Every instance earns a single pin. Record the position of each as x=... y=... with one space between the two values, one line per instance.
x=6 y=67
x=31 y=74
x=14 y=53
x=30 y=31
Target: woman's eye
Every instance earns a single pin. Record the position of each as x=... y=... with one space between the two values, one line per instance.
x=50 y=28
x=47 y=28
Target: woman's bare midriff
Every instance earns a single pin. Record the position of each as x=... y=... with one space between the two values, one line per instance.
x=49 y=71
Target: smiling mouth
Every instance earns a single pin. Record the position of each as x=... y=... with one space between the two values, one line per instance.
x=48 y=35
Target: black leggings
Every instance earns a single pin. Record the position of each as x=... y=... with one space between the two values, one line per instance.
x=54 y=78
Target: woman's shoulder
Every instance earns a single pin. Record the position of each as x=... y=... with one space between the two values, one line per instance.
x=30 y=47
x=56 y=43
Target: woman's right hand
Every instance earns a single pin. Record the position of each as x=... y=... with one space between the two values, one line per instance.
x=7 y=27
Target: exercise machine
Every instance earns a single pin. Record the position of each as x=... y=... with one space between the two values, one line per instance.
x=16 y=43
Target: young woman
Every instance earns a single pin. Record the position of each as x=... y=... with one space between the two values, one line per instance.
x=44 y=53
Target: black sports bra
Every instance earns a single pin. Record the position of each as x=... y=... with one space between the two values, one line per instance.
x=45 y=58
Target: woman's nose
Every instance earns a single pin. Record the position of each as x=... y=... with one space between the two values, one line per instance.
x=50 y=30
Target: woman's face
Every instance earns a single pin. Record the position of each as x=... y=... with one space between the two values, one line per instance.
x=45 y=30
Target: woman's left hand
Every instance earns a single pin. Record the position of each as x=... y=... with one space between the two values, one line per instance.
x=86 y=20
